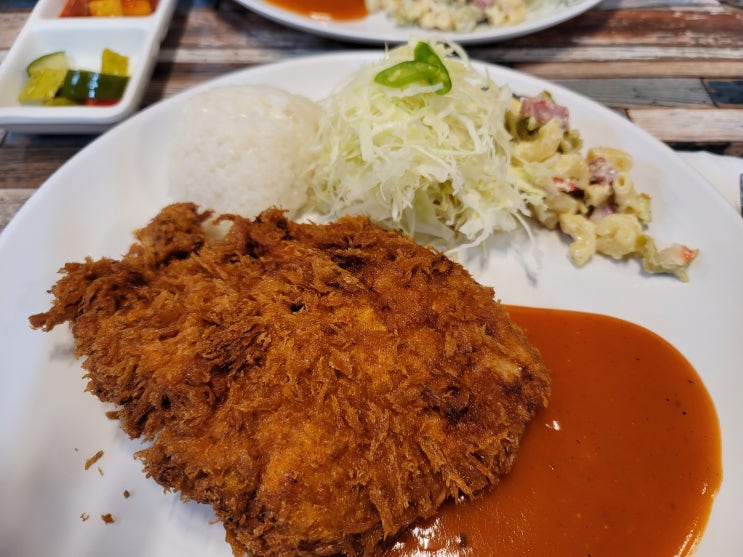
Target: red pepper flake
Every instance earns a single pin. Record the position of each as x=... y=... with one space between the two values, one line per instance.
x=93 y=459
x=107 y=518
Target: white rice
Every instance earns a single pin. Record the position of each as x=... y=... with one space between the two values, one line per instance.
x=243 y=149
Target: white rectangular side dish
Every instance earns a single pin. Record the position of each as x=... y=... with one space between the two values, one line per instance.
x=83 y=40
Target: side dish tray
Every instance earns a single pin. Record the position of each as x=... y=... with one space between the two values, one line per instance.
x=83 y=39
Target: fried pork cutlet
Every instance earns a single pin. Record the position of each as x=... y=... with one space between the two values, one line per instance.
x=321 y=386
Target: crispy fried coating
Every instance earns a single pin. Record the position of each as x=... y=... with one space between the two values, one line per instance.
x=321 y=386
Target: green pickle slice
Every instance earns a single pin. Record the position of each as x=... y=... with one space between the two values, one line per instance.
x=113 y=63
x=42 y=85
x=54 y=61
x=82 y=85
x=61 y=101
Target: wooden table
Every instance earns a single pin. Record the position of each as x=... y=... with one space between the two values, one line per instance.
x=675 y=68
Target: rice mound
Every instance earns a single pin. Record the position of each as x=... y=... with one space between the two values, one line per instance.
x=242 y=149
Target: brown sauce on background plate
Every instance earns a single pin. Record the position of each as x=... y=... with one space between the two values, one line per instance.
x=626 y=461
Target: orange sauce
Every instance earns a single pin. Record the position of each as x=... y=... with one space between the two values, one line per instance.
x=75 y=8
x=626 y=461
x=81 y=8
x=325 y=10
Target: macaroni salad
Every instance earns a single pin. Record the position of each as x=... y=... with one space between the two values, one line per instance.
x=592 y=198
x=451 y=15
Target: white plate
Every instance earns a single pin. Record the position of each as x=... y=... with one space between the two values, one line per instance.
x=378 y=28
x=83 y=39
x=49 y=426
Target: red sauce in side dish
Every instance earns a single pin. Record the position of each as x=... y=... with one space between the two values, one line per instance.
x=82 y=8
x=75 y=8
x=625 y=462
x=325 y=10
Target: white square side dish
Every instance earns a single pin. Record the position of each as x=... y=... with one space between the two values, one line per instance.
x=83 y=40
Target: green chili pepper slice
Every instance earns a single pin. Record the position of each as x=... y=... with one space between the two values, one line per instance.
x=424 y=53
x=405 y=73
x=427 y=66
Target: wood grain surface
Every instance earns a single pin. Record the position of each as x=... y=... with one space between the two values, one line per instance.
x=674 y=68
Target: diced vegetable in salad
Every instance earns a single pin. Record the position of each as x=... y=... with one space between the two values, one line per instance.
x=52 y=82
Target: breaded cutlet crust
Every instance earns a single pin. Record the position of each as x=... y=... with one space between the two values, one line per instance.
x=321 y=386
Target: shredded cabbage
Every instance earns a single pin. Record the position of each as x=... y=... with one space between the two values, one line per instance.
x=435 y=167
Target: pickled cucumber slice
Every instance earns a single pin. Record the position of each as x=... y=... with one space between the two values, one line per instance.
x=53 y=60
x=82 y=85
x=113 y=63
x=42 y=85
x=61 y=101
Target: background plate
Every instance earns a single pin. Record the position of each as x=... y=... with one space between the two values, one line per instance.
x=377 y=28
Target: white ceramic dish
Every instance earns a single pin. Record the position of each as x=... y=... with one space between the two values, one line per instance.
x=49 y=426
x=377 y=28
x=83 y=39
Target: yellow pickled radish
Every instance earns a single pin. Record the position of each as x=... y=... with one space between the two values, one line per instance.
x=113 y=63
